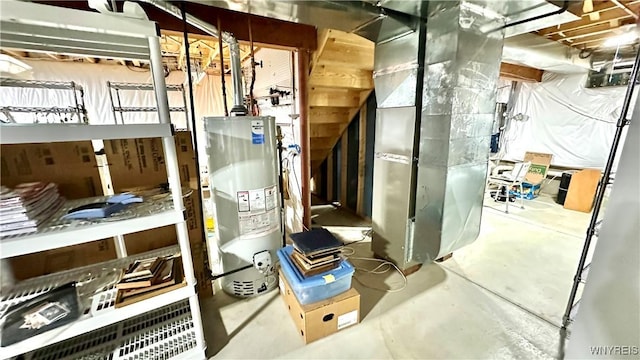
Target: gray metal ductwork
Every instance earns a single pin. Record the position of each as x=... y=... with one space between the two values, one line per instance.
x=436 y=97
x=540 y=53
x=436 y=71
x=234 y=49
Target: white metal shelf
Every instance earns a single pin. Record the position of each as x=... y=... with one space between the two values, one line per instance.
x=40 y=84
x=165 y=333
x=57 y=233
x=141 y=86
x=102 y=311
x=46 y=133
x=147 y=109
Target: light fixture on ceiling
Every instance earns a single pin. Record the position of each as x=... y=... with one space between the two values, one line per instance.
x=12 y=67
x=623 y=39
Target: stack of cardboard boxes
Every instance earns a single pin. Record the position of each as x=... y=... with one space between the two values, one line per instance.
x=132 y=163
x=319 y=305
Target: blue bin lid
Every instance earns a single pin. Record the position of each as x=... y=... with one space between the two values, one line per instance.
x=343 y=270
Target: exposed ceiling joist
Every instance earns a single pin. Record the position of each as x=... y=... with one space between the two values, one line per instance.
x=593 y=30
x=54 y=56
x=585 y=23
x=577 y=7
x=212 y=55
x=15 y=53
x=625 y=8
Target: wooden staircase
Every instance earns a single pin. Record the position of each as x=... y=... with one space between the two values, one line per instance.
x=340 y=81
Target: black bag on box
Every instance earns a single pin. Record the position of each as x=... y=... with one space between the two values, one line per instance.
x=40 y=314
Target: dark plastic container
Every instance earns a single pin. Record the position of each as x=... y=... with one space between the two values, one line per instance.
x=565 y=180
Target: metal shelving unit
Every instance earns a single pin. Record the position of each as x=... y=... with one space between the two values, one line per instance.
x=117 y=107
x=102 y=311
x=164 y=326
x=78 y=109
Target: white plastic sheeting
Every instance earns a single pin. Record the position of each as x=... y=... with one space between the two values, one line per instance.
x=563 y=118
x=94 y=77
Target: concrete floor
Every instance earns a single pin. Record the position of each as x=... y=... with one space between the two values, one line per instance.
x=501 y=297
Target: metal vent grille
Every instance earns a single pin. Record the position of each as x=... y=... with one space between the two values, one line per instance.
x=243 y=288
x=160 y=334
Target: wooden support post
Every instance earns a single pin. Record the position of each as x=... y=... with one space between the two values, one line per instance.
x=330 y=178
x=344 y=142
x=362 y=148
x=305 y=143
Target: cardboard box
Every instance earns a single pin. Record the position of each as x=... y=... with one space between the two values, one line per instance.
x=66 y=258
x=141 y=162
x=539 y=166
x=204 y=286
x=323 y=318
x=166 y=236
x=71 y=165
x=582 y=190
x=137 y=163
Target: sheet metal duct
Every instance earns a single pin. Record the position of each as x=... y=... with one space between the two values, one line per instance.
x=234 y=51
x=540 y=53
x=436 y=97
x=436 y=70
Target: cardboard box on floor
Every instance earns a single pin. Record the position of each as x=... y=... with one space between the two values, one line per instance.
x=323 y=318
x=582 y=190
x=540 y=163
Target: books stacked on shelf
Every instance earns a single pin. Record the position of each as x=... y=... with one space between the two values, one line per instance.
x=149 y=277
x=315 y=252
x=27 y=206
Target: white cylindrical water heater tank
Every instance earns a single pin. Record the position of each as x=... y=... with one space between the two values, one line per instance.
x=243 y=177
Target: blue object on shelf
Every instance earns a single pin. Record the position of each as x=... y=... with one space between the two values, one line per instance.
x=103 y=209
x=318 y=287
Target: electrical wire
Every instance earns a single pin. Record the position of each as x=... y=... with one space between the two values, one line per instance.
x=383 y=267
x=252 y=108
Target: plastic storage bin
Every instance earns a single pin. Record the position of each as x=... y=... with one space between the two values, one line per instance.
x=317 y=287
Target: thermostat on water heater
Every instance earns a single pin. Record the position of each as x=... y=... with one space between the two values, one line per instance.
x=262 y=261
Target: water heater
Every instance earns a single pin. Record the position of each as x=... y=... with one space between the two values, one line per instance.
x=243 y=178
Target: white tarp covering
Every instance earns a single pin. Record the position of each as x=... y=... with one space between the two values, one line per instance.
x=563 y=118
x=94 y=77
